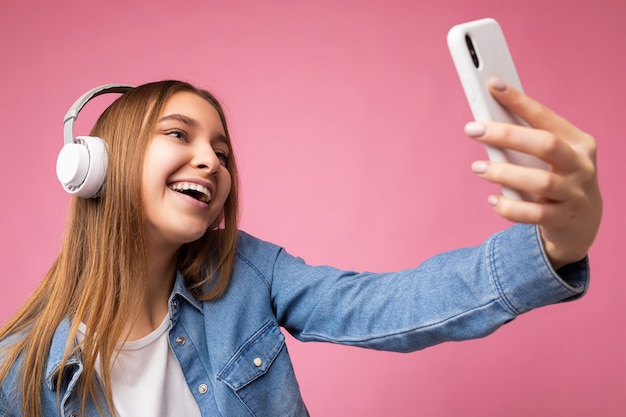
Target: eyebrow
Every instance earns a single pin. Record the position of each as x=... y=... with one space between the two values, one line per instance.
x=223 y=139
x=181 y=118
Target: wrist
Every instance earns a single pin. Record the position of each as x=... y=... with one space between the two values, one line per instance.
x=560 y=256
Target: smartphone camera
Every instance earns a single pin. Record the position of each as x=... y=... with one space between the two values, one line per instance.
x=472 y=51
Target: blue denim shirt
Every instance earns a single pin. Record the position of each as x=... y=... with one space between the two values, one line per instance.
x=233 y=353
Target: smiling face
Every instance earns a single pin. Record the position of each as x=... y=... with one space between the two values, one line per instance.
x=185 y=180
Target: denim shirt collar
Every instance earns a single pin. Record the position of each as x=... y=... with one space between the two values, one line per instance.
x=62 y=333
x=57 y=351
x=181 y=290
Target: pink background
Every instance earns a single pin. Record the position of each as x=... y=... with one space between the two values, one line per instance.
x=347 y=118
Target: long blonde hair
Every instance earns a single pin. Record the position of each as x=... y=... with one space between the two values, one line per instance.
x=95 y=277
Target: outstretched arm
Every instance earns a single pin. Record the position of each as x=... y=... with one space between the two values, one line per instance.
x=569 y=207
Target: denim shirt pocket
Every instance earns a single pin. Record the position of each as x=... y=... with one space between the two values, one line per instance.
x=260 y=374
x=254 y=358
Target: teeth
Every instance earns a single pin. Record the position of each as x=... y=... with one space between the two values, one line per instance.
x=186 y=186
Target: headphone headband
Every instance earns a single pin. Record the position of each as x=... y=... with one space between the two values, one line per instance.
x=72 y=114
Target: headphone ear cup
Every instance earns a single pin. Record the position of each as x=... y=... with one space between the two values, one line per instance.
x=82 y=166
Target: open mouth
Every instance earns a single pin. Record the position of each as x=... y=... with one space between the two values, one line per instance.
x=197 y=191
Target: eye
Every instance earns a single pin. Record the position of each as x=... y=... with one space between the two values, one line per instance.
x=177 y=133
x=222 y=156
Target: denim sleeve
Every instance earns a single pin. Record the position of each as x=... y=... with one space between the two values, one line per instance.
x=463 y=294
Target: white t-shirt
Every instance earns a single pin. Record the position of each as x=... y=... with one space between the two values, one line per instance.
x=147 y=379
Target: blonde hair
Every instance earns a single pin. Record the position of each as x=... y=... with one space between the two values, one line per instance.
x=95 y=277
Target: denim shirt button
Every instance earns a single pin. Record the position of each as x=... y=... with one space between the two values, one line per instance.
x=258 y=362
x=180 y=340
x=203 y=388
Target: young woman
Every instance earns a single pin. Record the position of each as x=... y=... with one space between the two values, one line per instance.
x=157 y=305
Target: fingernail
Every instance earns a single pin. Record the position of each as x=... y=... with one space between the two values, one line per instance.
x=497 y=83
x=492 y=200
x=475 y=129
x=479 y=167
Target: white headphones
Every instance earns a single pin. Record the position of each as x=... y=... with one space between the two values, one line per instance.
x=82 y=162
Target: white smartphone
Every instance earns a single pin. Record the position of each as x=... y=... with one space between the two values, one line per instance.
x=479 y=51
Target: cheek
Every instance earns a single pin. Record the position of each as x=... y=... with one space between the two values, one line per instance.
x=152 y=184
x=158 y=161
x=225 y=183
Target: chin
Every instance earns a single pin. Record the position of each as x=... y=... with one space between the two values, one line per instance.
x=193 y=237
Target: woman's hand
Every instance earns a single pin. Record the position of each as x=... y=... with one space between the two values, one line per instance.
x=569 y=206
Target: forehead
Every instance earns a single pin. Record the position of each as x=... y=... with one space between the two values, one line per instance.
x=193 y=107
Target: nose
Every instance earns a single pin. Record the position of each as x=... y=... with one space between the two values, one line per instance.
x=206 y=159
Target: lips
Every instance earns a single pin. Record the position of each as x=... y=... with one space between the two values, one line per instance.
x=197 y=191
